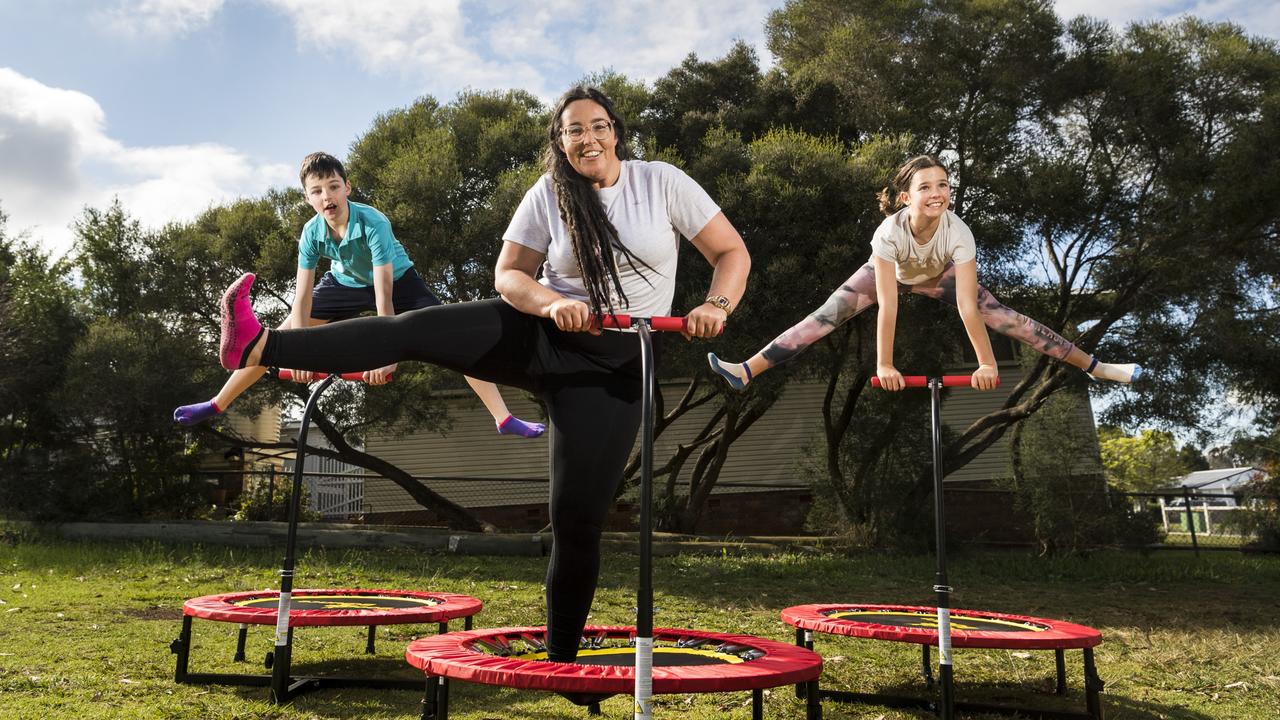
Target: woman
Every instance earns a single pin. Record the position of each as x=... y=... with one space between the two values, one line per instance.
x=605 y=232
x=924 y=247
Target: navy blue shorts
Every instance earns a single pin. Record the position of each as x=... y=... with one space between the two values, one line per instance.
x=331 y=300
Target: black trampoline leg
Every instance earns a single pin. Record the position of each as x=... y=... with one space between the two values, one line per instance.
x=1092 y=686
x=813 y=701
x=593 y=709
x=466 y=624
x=442 y=628
x=444 y=698
x=757 y=704
x=182 y=648
x=429 y=698
x=240 y=638
x=926 y=666
x=800 y=642
x=368 y=645
x=1060 y=662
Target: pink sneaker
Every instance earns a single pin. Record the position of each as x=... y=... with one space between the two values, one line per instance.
x=240 y=327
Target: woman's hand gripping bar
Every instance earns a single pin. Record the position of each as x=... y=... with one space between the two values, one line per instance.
x=659 y=323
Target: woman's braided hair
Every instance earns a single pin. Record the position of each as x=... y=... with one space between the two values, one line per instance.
x=594 y=238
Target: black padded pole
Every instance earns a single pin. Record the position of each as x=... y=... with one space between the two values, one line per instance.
x=644 y=597
x=946 y=697
x=281 y=659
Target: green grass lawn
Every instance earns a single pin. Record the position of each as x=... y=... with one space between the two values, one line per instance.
x=85 y=628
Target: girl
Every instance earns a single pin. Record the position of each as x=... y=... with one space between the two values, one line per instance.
x=924 y=247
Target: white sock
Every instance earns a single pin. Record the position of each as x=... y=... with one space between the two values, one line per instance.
x=1117 y=372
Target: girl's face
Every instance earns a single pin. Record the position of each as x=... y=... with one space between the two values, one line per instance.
x=588 y=141
x=929 y=194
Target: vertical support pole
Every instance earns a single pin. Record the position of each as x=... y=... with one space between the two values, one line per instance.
x=644 y=598
x=1092 y=686
x=757 y=704
x=1191 y=519
x=801 y=642
x=280 y=674
x=926 y=666
x=368 y=645
x=241 y=637
x=946 y=699
x=813 y=705
x=182 y=647
x=430 y=699
x=1060 y=663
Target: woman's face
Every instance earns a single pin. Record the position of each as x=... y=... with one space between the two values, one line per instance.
x=591 y=153
x=929 y=194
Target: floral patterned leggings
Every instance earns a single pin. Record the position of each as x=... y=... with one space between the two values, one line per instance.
x=859 y=293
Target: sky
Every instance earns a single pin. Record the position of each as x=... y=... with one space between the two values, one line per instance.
x=174 y=106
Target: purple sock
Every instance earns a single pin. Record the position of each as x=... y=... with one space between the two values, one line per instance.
x=515 y=426
x=189 y=415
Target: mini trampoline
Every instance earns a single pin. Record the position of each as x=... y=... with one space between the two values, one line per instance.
x=316 y=608
x=969 y=629
x=684 y=661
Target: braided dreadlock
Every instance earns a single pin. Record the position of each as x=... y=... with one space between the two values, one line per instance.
x=594 y=237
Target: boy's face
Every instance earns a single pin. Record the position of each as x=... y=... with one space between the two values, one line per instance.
x=327 y=195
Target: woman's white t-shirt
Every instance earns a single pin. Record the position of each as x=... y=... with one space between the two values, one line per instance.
x=952 y=242
x=651 y=205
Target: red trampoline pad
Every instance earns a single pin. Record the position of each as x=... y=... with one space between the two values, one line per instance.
x=685 y=661
x=918 y=624
x=312 y=608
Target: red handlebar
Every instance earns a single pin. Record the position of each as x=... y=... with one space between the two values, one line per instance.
x=354 y=376
x=912 y=381
x=657 y=322
x=663 y=324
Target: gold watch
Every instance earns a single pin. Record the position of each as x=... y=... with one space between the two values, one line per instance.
x=719 y=301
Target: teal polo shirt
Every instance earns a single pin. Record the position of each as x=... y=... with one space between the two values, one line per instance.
x=368 y=244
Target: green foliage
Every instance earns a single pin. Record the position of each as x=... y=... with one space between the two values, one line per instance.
x=270 y=499
x=1259 y=517
x=876 y=466
x=1148 y=461
x=1068 y=508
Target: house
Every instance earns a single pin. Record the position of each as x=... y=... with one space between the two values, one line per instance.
x=1214 y=498
x=503 y=480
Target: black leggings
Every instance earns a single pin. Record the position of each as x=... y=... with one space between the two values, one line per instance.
x=590 y=384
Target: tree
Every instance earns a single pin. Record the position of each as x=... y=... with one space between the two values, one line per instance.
x=1144 y=462
x=1082 y=148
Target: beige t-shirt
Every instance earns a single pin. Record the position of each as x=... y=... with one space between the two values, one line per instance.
x=952 y=242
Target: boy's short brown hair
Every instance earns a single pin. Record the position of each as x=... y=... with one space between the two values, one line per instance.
x=321 y=164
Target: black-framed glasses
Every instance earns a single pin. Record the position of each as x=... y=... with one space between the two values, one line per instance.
x=600 y=130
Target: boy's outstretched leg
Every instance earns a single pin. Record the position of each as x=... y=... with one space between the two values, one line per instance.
x=506 y=423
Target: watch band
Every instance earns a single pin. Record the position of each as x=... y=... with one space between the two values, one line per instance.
x=719 y=301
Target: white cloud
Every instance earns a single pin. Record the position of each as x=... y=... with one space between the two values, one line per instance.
x=451 y=44
x=160 y=18
x=429 y=40
x=59 y=158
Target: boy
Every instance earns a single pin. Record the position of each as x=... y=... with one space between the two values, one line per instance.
x=369 y=270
